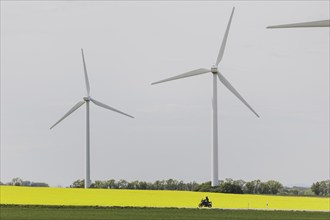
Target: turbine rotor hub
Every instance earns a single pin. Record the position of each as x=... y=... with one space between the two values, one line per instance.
x=87 y=99
x=214 y=69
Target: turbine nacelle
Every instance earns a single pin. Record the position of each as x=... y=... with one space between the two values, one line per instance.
x=87 y=99
x=214 y=69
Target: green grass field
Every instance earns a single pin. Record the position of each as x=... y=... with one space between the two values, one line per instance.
x=83 y=213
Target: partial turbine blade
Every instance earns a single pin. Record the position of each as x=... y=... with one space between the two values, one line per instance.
x=85 y=71
x=74 y=108
x=108 y=107
x=224 y=41
x=234 y=91
x=323 y=23
x=184 y=75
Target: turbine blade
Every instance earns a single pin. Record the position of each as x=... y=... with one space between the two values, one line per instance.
x=108 y=107
x=74 y=108
x=224 y=41
x=234 y=91
x=184 y=75
x=323 y=23
x=85 y=71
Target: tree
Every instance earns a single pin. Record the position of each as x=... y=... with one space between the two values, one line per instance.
x=322 y=187
x=181 y=185
x=294 y=192
x=205 y=187
x=111 y=184
x=100 y=184
x=230 y=187
x=142 y=185
x=158 y=185
x=133 y=185
x=264 y=188
x=78 y=184
x=316 y=188
x=249 y=188
x=274 y=186
x=122 y=184
x=252 y=187
x=16 y=181
x=192 y=186
x=325 y=187
x=171 y=184
x=240 y=183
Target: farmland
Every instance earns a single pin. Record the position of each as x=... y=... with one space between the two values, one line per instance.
x=86 y=213
x=149 y=198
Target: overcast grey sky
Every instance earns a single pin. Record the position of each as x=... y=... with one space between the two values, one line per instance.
x=282 y=73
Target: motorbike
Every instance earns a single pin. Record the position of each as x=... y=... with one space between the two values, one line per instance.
x=205 y=203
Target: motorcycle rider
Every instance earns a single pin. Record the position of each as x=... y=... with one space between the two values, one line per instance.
x=205 y=202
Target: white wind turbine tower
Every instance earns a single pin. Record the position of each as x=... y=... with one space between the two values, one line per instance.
x=86 y=100
x=216 y=73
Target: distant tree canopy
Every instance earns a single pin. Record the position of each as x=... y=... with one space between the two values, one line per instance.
x=16 y=181
x=321 y=188
x=227 y=186
x=270 y=187
x=19 y=182
x=78 y=184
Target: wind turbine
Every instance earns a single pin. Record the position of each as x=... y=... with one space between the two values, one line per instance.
x=216 y=73
x=86 y=100
x=323 y=23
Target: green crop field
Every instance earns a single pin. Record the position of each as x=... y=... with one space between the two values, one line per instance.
x=83 y=213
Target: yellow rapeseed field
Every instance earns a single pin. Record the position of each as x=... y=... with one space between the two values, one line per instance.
x=154 y=198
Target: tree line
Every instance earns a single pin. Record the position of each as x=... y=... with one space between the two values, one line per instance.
x=19 y=182
x=270 y=187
